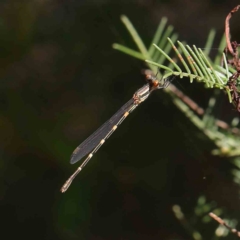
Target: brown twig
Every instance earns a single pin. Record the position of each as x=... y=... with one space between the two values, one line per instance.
x=195 y=107
x=232 y=48
x=222 y=222
x=227 y=30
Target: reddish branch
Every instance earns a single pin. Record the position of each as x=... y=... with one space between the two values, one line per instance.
x=232 y=48
x=195 y=107
x=222 y=222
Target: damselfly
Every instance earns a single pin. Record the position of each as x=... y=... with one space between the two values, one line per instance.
x=91 y=145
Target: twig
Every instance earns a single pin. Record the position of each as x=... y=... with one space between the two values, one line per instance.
x=232 y=47
x=227 y=30
x=222 y=222
x=195 y=107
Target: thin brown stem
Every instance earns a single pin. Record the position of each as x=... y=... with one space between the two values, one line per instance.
x=222 y=222
x=227 y=30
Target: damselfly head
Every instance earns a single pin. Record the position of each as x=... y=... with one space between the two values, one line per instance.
x=152 y=81
x=150 y=77
x=155 y=83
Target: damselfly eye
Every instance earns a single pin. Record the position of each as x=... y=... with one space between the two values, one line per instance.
x=155 y=83
x=149 y=76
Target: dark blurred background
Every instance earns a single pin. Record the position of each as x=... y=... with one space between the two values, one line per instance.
x=60 y=80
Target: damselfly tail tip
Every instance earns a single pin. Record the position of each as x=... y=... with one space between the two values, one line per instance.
x=66 y=186
x=69 y=181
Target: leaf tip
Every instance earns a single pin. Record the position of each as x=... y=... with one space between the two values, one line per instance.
x=124 y=18
x=114 y=45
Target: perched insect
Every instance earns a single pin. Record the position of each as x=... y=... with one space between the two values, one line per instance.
x=91 y=145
